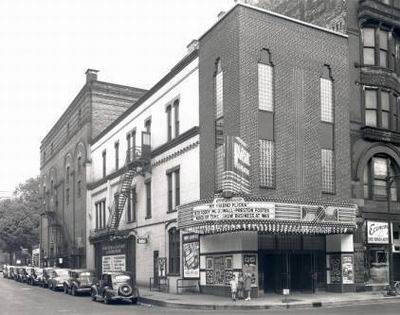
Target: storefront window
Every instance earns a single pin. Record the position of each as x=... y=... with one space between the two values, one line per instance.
x=378 y=266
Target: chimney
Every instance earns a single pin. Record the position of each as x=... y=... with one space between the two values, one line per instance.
x=91 y=75
x=192 y=46
x=221 y=14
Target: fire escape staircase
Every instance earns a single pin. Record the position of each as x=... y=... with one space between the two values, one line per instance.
x=137 y=163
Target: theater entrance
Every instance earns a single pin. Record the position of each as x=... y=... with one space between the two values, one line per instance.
x=301 y=269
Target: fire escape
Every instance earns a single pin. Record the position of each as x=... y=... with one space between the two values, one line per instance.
x=137 y=163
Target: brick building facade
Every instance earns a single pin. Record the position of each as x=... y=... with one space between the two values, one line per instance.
x=373 y=31
x=64 y=159
x=255 y=179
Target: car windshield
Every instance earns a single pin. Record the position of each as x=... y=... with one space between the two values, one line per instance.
x=62 y=273
x=86 y=274
x=121 y=278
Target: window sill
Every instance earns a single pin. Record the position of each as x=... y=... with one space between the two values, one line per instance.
x=172 y=211
x=328 y=193
x=146 y=218
x=174 y=274
x=130 y=222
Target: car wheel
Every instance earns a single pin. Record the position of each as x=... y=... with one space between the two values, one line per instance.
x=73 y=291
x=134 y=300
x=93 y=295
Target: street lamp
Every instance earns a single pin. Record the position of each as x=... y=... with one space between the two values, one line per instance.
x=389 y=181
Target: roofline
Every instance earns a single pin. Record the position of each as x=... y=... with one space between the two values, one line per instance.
x=175 y=70
x=273 y=14
x=85 y=88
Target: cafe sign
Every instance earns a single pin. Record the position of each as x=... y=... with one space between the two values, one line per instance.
x=377 y=232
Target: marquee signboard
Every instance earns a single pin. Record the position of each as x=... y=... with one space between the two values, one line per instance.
x=234 y=214
x=377 y=232
x=236 y=177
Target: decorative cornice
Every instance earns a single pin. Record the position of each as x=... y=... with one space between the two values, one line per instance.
x=376 y=134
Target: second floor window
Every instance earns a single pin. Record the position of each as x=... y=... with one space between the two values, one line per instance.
x=67 y=175
x=131 y=208
x=148 y=199
x=100 y=207
x=67 y=196
x=169 y=122
x=374 y=178
x=176 y=117
x=328 y=171
x=173 y=181
x=267 y=163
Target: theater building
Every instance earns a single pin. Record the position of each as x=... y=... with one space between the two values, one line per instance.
x=373 y=30
x=238 y=160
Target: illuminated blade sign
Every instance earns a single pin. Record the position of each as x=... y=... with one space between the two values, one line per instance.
x=236 y=178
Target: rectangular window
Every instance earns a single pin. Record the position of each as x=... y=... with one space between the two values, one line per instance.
x=104 y=163
x=169 y=180
x=147 y=125
x=371 y=101
x=383 y=48
x=176 y=117
x=267 y=163
x=148 y=199
x=169 y=123
x=116 y=146
x=79 y=165
x=67 y=196
x=368 y=35
x=326 y=100
x=100 y=207
x=67 y=175
x=265 y=87
x=219 y=97
x=177 y=188
x=328 y=171
x=78 y=188
x=131 y=213
x=385 y=106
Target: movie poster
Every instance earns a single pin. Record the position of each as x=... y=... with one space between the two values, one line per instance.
x=191 y=260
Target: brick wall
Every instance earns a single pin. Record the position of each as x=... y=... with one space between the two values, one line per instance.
x=298 y=53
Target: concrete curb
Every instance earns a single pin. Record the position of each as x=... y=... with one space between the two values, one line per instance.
x=301 y=305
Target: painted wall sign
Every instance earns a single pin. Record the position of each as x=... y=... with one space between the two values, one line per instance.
x=113 y=263
x=236 y=177
x=377 y=232
x=191 y=259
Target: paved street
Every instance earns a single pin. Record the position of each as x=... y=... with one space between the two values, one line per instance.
x=17 y=298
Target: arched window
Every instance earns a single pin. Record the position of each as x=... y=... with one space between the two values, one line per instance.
x=375 y=175
x=174 y=251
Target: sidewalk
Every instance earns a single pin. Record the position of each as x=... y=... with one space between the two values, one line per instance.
x=269 y=301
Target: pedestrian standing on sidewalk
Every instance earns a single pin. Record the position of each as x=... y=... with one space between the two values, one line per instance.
x=247 y=285
x=233 y=284
x=240 y=286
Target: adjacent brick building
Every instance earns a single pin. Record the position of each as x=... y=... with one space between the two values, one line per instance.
x=64 y=158
x=373 y=29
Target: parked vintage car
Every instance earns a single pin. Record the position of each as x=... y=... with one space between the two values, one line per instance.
x=79 y=281
x=19 y=273
x=34 y=275
x=24 y=274
x=57 y=278
x=5 y=271
x=46 y=275
x=115 y=286
x=10 y=272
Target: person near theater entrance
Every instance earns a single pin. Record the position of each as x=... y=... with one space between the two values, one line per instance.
x=233 y=285
x=247 y=285
x=240 y=286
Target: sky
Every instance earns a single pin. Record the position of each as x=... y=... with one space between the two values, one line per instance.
x=47 y=45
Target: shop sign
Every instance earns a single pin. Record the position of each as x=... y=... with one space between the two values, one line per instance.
x=113 y=248
x=347 y=269
x=233 y=209
x=377 y=232
x=141 y=240
x=113 y=263
x=236 y=177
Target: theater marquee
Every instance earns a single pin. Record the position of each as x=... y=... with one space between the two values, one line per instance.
x=235 y=214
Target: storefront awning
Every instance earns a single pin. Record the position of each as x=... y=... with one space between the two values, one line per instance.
x=249 y=214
